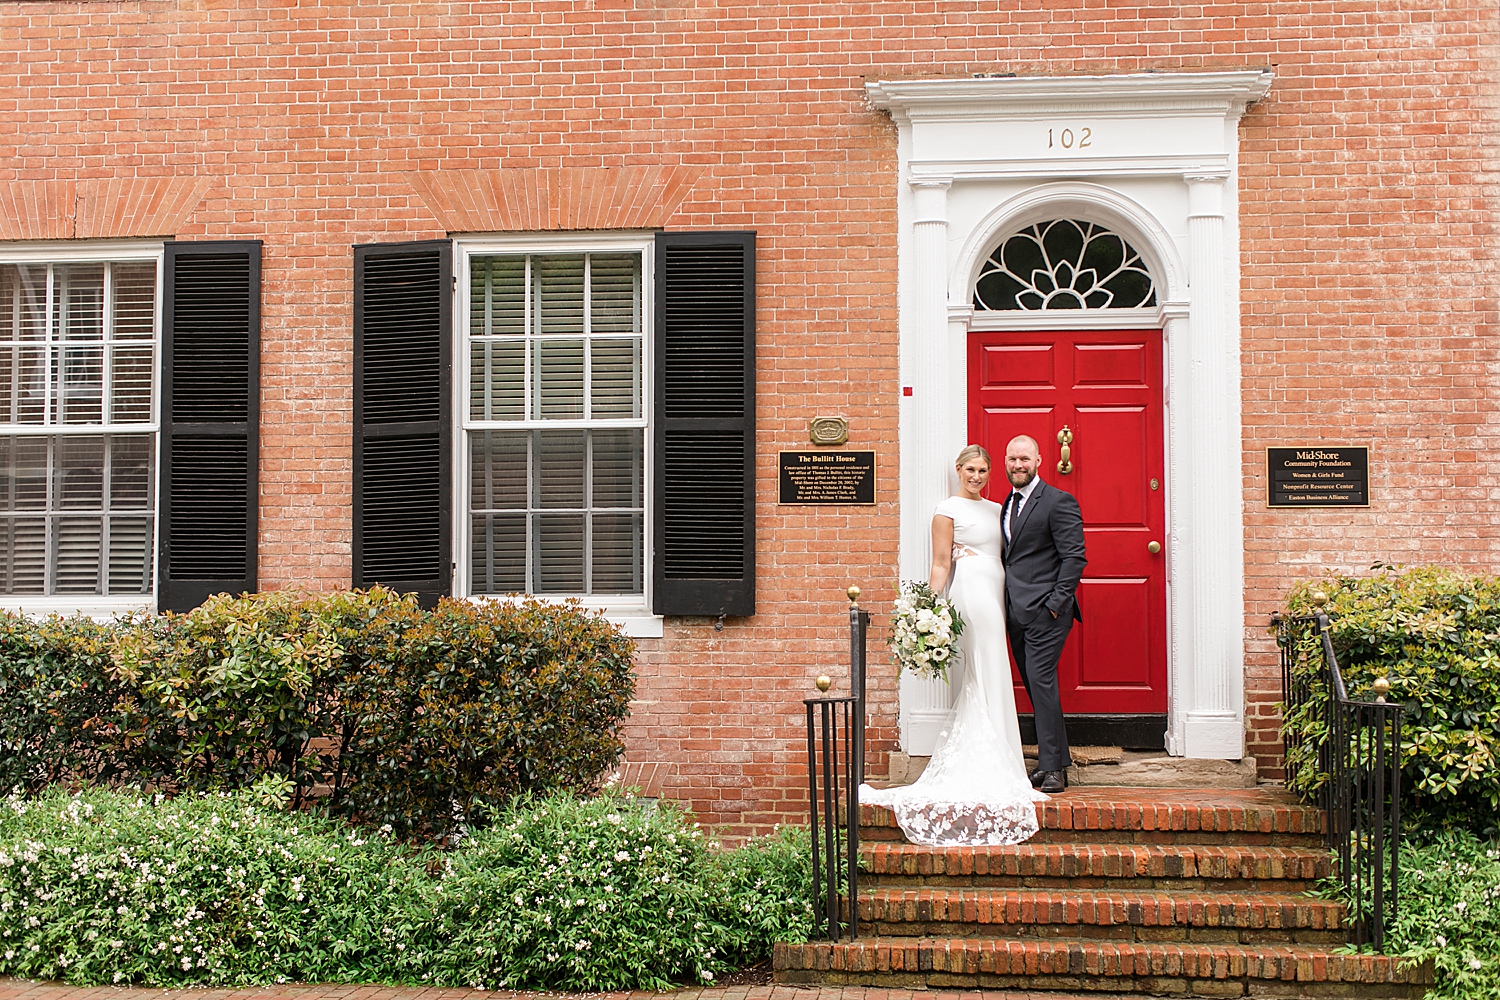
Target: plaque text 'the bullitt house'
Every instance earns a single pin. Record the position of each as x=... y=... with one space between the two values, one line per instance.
x=827 y=477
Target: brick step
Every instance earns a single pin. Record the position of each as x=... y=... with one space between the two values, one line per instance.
x=1095 y=866
x=1154 y=968
x=1220 y=918
x=1258 y=817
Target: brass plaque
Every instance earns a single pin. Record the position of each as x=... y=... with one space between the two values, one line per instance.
x=827 y=478
x=828 y=430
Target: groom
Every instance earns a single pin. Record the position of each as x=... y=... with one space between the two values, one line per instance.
x=1044 y=560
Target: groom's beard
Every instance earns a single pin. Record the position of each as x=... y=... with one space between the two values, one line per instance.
x=1020 y=479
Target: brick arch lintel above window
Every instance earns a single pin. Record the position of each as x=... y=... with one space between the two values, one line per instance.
x=546 y=199
x=99 y=208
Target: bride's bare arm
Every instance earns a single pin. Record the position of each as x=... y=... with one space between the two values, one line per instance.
x=942 y=552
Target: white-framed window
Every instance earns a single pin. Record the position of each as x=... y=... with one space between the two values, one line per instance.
x=553 y=398
x=80 y=334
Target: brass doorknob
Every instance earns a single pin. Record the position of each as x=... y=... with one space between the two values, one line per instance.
x=1153 y=547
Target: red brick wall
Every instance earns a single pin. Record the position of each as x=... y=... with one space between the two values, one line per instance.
x=1367 y=180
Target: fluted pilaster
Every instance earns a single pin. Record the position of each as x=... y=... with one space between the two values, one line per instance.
x=1214 y=724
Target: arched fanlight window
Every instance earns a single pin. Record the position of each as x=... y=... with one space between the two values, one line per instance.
x=1064 y=264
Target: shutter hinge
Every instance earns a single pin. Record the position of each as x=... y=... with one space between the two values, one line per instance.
x=455 y=282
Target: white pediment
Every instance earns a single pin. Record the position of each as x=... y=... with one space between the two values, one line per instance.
x=1133 y=124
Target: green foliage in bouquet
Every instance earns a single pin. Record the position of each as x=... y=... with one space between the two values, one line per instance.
x=1435 y=634
x=924 y=630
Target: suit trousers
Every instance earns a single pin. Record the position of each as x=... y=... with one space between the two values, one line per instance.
x=1037 y=646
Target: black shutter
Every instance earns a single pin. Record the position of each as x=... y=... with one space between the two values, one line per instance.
x=703 y=514
x=403 y=319
x=210 y=421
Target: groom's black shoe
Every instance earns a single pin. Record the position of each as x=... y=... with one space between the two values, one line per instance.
x=1053 y=781
x=1036 y=777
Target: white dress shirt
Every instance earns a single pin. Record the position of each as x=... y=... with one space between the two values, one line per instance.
x=1019 y=504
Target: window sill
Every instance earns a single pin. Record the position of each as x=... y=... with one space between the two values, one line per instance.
x=637 y=622
x=97 y=608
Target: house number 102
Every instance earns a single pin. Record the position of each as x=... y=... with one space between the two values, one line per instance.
x=1067 y=140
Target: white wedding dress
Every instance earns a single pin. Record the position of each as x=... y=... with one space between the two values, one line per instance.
x=975 y=789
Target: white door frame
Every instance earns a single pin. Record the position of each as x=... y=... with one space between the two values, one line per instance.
x=978 y=159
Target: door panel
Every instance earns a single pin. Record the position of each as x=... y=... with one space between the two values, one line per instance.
x=1101 y=365
x=1019 y=365
x=1108 y=664
x=1105 y=387
x=1113 y=493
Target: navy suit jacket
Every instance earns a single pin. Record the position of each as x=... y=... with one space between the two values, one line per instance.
x=1044 y=559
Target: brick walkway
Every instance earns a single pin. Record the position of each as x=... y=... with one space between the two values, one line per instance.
x=20 y=989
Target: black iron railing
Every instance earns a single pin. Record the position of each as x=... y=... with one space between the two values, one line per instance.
x=835 y=769
x=1348 y=762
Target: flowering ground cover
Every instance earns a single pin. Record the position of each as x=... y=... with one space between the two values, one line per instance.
x=1450 y=913
x=107 y=887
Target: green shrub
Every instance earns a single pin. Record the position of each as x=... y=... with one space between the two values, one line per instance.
x=106 y=887
x=1435 y=634
x=58 y=703
x=760 y=894
x=426 y=721
x=458 y=709
x=1450 y=914
x=241 y=687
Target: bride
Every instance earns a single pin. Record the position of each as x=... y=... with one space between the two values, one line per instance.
x=975 y=789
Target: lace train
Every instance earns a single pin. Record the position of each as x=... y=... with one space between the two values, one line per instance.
x=975 y=790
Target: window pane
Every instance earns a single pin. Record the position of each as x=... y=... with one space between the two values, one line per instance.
x=499 y=554
x=497 y=471
x=497 y=380
x=82 y=392
x=29 y=394
x=129 y=555
x=619 y=467
x=80 y=473
x=559 y=553
x=617 y=552
x=497 y=296
x=130 y=385
x=135 y=300
x=10 y=362
x=615 y=293
x=23 y=301
x=24 y=560
x=558 y=303
x=559 y=379
x=615 y=373
x=130 y=471
x=79 y=307
x=23 y=463
x=77 y=555
x=560 y=460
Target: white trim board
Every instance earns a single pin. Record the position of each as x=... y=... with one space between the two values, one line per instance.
x=1153 y=156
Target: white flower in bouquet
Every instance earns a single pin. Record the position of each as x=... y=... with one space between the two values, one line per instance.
x=924 y=630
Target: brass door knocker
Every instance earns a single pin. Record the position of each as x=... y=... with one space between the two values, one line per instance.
x=1065 y=438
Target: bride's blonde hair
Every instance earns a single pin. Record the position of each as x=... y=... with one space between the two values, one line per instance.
x=972 y=451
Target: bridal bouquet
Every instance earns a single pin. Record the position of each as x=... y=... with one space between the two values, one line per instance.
x=924 y=631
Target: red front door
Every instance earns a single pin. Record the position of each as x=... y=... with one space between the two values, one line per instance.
x=1105 y=387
